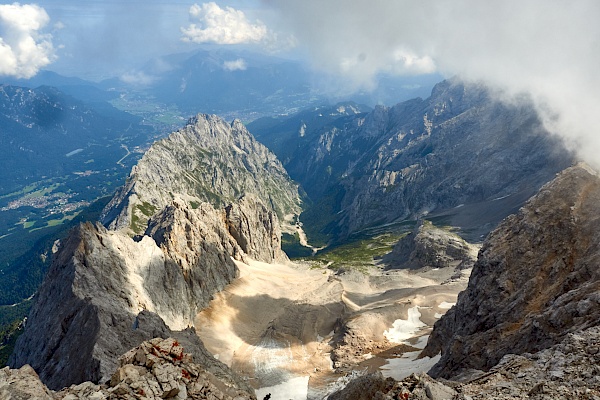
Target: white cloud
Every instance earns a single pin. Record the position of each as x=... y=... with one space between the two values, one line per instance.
x=222 y=26
x=138 y=78
x=549 y=49
x=24 y=49
x=235 y=65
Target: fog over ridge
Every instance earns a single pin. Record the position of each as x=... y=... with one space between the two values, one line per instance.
x=548 y=50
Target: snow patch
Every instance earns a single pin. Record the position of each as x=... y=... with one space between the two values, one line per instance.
x=421 y=342
x=445 y=305
x=400 y=368
x=293 y=389
x=237 y=149
x=302 y=131
x=73 y=152
x=140 y=259
x=404 y=329
x=270 y=355
x=500 y=198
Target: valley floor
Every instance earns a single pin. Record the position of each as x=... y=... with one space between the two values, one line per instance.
x=296 y=330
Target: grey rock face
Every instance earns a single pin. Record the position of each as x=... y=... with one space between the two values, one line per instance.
x=458 y=147
x=106 y=293
x=208 y=160
x=22 y=383
x=568 y=370
x=256 y=229
x=414 y=387
x=537 y=279
x=364 y=387
x=429 y=246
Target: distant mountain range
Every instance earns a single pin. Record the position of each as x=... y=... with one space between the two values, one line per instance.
x=459 y=155
x=239 y=84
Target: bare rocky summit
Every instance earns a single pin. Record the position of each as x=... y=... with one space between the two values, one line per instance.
x=428 y=246
x=209 y=161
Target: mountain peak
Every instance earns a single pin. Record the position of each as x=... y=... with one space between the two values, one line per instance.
x=207 y=160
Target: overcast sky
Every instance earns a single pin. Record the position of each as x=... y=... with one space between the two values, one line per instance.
x=549 y=49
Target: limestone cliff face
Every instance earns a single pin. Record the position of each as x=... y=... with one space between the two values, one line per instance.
x=537 y=279
x=107 y=292
x=461 y=151
x=208 y=160
x=459 y=147
x=256 y=229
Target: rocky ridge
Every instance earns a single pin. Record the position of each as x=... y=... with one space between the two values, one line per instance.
x=156 y=369
x=535 y=281
x=106 y=293
x=209 y=161
x=460 y=151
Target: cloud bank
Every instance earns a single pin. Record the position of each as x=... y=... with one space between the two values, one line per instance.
x=235 y=65
x=548 y=49
x=24 y=49
x=222 y=26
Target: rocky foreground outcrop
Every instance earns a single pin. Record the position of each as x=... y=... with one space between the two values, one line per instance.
x=537 y=279
x=156 y=369
x=568 y=370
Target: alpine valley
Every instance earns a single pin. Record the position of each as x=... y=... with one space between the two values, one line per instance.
x=340 y=251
